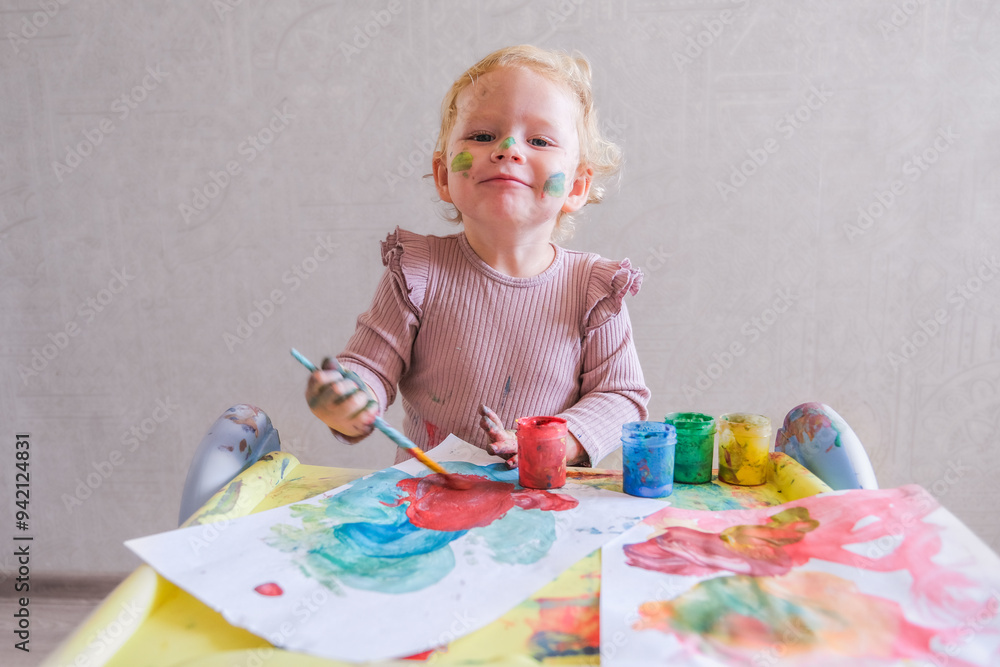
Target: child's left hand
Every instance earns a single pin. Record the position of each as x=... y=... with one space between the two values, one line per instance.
x=503 y=443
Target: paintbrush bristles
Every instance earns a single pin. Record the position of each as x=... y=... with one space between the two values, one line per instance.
x=428 y=461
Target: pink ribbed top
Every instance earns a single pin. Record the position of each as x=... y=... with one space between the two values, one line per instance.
x=453 y=333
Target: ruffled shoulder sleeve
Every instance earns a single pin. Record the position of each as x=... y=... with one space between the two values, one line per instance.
x=607 y=287
x=407 y=258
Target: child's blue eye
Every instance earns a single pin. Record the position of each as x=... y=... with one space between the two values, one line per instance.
x=538 y=142
x=482 y=137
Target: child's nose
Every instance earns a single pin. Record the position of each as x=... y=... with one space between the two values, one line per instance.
x=508 y=149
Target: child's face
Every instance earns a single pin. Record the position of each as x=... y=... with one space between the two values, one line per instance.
x=513 y=155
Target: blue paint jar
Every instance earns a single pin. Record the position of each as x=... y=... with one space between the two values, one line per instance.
x=648 y=459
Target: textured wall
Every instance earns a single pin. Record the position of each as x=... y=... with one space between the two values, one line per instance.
x=811 y=189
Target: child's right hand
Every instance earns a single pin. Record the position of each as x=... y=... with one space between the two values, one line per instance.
x=340 y=403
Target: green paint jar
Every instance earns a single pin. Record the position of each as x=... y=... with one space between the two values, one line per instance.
x=695 y=446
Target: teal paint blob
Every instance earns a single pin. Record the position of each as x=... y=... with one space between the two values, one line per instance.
x=555 y=185
x=507 y=143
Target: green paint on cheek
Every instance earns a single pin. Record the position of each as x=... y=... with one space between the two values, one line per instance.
x=555 y=185
x=507 y=143
x=462 y=161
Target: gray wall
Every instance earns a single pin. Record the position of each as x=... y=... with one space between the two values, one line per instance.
x=810 y=187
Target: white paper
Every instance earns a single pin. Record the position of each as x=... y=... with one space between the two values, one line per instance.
x=882 y=578
x=334 y=610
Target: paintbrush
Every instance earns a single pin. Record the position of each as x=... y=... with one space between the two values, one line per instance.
x=398 y=438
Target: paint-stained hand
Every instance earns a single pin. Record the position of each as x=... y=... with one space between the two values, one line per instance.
x=503 y=443
x=345 y=404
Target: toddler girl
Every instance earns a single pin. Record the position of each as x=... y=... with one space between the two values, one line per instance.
x=497 y=314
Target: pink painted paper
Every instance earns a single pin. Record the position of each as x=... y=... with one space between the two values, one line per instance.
x=859 y=577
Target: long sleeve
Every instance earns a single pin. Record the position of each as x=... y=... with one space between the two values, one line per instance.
x=380 y=350
x=449 y=333
x=613 y=390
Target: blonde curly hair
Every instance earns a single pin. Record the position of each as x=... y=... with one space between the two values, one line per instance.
x=572 y=71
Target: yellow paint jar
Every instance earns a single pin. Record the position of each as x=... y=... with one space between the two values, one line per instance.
x=744 y=443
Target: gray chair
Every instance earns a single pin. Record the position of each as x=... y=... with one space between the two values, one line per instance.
x=237 y=440
x=817 y=437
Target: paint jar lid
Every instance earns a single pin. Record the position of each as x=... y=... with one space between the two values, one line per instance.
x=691 y=421
x=648 y=434
x=748 y=422
x=543 y=424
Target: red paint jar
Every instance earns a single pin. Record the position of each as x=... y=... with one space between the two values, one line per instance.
x=541 y=452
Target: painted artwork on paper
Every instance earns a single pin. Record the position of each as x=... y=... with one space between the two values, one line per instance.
x=396 y=563
x=391 y=532
x=871 y=577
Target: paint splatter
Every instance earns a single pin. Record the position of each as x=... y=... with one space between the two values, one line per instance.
x=433 y=437
x=822 y=528
x=507 y=143
x=555 y=185
x=270 y=589
x=436 y=506
x=244 y=415
x=365 y=537
x=810 y=615
x=506 y=390
x=754 y=550
x=462 y=161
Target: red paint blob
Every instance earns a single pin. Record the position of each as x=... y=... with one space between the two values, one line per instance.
x=269 y=589
x=437 y=506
